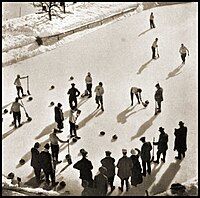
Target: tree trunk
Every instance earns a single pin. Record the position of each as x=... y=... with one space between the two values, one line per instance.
x=49 y=11
x=64 y=7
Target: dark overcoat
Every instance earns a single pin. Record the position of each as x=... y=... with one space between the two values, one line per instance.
x=159 y=95
x=85 y=167
x=136 y=177
x=146 y=151
x=124 y=166
x=162 y=142
x=58 y=115
x=35 y=158
x=180 y=143
x=109 y=163
x=46 y=161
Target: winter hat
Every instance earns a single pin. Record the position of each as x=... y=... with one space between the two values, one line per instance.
x=157 y=85
x=72 y=84
x=161 y=129
x=83 y=152
x=46 y=146
x=59 y=105
x=108 y=153
x=133 y=152
x=37 y=145
x=142 y=139
x=88 y=73
x=102 y=169
x=124 y=150
x=18 y=76
x=181 y=123
x=100 y=83
x=11 y=175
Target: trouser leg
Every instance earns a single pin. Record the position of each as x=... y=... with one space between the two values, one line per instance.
x=149 y=167
x=127 y=183
x=164 y=155
x=122 y=183
x=158 y=155
x=37 y=172
x=18 y=90
x=153 y=52
x=131 y=97
x=159 y=105
x=144 y=167
x=15 y=118
x=137 y=96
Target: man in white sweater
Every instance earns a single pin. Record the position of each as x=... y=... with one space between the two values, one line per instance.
x=73 y=115
x=88 y=81
x=99 y=95
x=18 y=85
x=153 y=47
x=15 y=109
x=183 y=51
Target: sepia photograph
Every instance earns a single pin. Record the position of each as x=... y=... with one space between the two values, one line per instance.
x=99 y=98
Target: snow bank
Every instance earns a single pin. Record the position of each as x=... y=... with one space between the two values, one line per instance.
x=19 y=33
x=13 y=189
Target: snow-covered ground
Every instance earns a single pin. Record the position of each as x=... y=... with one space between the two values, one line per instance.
x=118 y=55
x=19 y=34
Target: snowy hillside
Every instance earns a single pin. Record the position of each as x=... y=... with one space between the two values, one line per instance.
x=118 y=55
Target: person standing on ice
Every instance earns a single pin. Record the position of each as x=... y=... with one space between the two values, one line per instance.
x=153 y=47
x=109 y=163
x=146 y=156
x=35 y=161
x=54 y=139
x=88 y=81
x=73 y=94
x=136 y=176
x=99 y=95
x=183 y=51
x=85 y=167
x=162 y=145
x=152 y=25
x=101 y=182
x=59 y=117
x=47 y=165
x=18 y=85
x=137 y=92
x=73 y=115
x=15 y=109
x=180 y=143
x=124 y=166
x=158 y=97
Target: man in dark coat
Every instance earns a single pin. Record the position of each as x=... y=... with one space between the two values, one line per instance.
x=85 y=167
x=47 y=165
x=162 y=145
x=136 y=177
x=124 y=166
x=59 y=116
x=101 y=182
x=35 y=161
x=158 y=97
x=73 y=94
x=109 y=163
x=146 y=156
x=180 y=143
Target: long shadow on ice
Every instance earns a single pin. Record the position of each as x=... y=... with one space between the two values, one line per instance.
x=12 y=130
x=121 y=117
x=47 y=130
x=166 y=178
x=144 y=66
x=147 y=182
x=175 y=72
x=144 y=127
x=144 y=32
x=83 y=122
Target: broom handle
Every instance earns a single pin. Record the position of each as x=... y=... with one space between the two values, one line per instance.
x=153 y=145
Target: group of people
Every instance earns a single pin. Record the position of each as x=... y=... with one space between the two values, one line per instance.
x=183 y=49
x=128 y=167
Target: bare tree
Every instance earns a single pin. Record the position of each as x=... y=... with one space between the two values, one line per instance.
x=52 y=8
